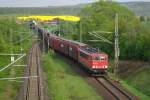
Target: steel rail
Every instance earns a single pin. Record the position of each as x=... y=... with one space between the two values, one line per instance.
x=36 y=54
x=114 y=87
x=28 y=73
x=38 y=79
x=123 y=92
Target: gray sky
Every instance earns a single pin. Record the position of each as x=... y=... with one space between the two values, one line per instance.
x=41 y=3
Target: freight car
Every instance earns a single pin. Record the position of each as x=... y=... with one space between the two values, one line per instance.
x=92 y=59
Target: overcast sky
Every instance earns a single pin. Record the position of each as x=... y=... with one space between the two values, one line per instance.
x=41 y=3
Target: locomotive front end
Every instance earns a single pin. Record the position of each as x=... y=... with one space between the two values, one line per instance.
x=99 y=62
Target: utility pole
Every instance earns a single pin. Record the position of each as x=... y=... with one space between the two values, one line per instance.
x=116 y=47
x=59 y=29
x=21 y=49
x=43 y=43
x=48 y=43
x=11 y=40
x=80 y=31
x=59 y=34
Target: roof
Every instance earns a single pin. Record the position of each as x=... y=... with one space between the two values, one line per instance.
x=78 y=43
x=83 y=46
x=90 y=50
x=74 y=42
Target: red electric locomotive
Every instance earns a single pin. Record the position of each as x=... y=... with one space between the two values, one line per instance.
x=91 y=58
x=94 y=60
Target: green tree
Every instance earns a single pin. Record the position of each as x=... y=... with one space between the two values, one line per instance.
x=100 y=16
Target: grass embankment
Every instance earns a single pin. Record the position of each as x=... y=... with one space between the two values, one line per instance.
x=64 y=83
x=9 y=88
x=134 y=89
x=135 y=77
x=140 y=83
x=8 y=25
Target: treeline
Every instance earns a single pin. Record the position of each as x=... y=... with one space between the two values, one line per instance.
x=140 y=8
x=134 y=36
x=10 y=34
x=41 y=11
x=144 y=18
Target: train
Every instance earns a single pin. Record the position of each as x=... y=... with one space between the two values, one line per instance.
x=94 y=60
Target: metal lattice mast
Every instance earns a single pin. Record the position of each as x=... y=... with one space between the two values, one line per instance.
x=80 y=31
x=11 y=41
x=116 y=47
x=21 y=48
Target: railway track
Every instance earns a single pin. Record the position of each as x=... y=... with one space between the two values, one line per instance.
x=117 y=92
x=105 y=87
x=34 y=84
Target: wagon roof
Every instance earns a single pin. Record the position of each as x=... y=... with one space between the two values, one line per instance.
x=90 y=50
x=71 y=41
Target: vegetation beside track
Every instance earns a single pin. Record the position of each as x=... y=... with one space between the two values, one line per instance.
x=135 y=77
x=135 y=91
x=134 y=36
x=8 y=26
x=63 y=82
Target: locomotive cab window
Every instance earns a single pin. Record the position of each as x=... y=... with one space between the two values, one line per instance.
x=99 y=58
x=103 y=58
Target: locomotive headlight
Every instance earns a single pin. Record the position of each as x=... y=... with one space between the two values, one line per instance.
x=106 y=66
x=93 y=66
x=102 y=58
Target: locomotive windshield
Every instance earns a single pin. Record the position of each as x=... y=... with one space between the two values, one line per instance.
x=100 y=58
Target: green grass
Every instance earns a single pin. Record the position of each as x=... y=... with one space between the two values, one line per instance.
x=135 y=91
x=9 y=89
x=136 y=81
x=64 y=83
x=139 y=85
x=140 y=81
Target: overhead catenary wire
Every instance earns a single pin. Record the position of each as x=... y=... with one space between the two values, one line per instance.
x=27 y=37
x=106 y=32
x=100 y=37
x=13 y=78
x=103 y=38
x=12 y=63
